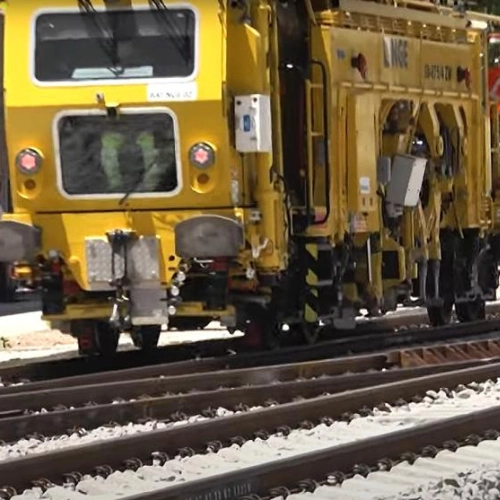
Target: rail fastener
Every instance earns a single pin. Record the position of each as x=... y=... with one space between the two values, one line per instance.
x=84 y=459
x=173 y=407
x=306 y=471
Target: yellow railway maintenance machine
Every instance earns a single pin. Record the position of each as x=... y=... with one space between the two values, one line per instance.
x=276 y=166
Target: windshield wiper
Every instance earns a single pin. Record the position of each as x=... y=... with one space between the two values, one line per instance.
x=132 y=190
x=108 y=45
x=136 y=184
x=140 y=180
x=181 y=42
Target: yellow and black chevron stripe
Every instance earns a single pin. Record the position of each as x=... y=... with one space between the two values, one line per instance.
x=311 y=306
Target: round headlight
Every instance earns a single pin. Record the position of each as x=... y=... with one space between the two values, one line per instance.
x=202 y=155
x=29 y=161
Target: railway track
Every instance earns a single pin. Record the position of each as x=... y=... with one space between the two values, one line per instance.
x=143 y=457
x=143 y=415
x=184 y=398
x=176 y=392
x=382 y=467
x=393 y=331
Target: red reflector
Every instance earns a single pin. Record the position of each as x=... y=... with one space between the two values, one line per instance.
x=202 y=155
x=28 y=161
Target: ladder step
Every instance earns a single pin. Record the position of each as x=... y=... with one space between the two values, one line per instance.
x=316 y=134
x=316 y=86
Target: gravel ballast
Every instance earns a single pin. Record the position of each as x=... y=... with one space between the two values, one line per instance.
x=434 y=406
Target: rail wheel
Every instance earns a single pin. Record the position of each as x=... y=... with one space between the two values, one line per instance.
x=106 y=338
x=473 y=310
x=146 y=337
x=95 y=337
x=262 y=330
x=440 y=315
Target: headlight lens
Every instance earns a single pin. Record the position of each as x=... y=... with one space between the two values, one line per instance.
x=202 y=155
x=29 y=161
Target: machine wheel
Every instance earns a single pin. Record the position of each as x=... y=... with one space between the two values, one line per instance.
x=473 y=310
x=106 y=338
x=440 y=315
x=7 y=284
x=262 y=330
x=146 y=337
x=95 y=337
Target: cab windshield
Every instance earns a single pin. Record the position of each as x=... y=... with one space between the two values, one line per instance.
x=142 y=44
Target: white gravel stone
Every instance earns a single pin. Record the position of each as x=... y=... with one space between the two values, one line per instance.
x=31 y=446
x=435 y=406
x=470 y=473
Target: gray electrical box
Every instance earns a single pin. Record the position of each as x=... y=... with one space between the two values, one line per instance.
x=407 y=175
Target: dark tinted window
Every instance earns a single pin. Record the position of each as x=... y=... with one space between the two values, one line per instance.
x=131 y=153
x=494 y=52
x=115 y=45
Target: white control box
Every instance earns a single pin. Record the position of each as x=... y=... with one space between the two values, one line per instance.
x=407 y=175
x=253 y=123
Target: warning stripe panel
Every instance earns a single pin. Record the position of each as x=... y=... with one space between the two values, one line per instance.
x=311 y=305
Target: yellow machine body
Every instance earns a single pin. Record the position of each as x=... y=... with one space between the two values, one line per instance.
x=317 y=158
x=433 y=65
x=199 y=107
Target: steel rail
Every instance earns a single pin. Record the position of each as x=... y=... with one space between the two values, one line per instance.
x=368 y=336
x=171 y=408
x=289 y=473
x=164 y=369
x=54 y=369
x=153 y=386
x=338 y=347
x=370 y=343
x=192 y=367
x=19 y=370
x=20 y=472
x=162 y=379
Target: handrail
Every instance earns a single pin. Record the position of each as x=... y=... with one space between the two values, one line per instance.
x=326 y=142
